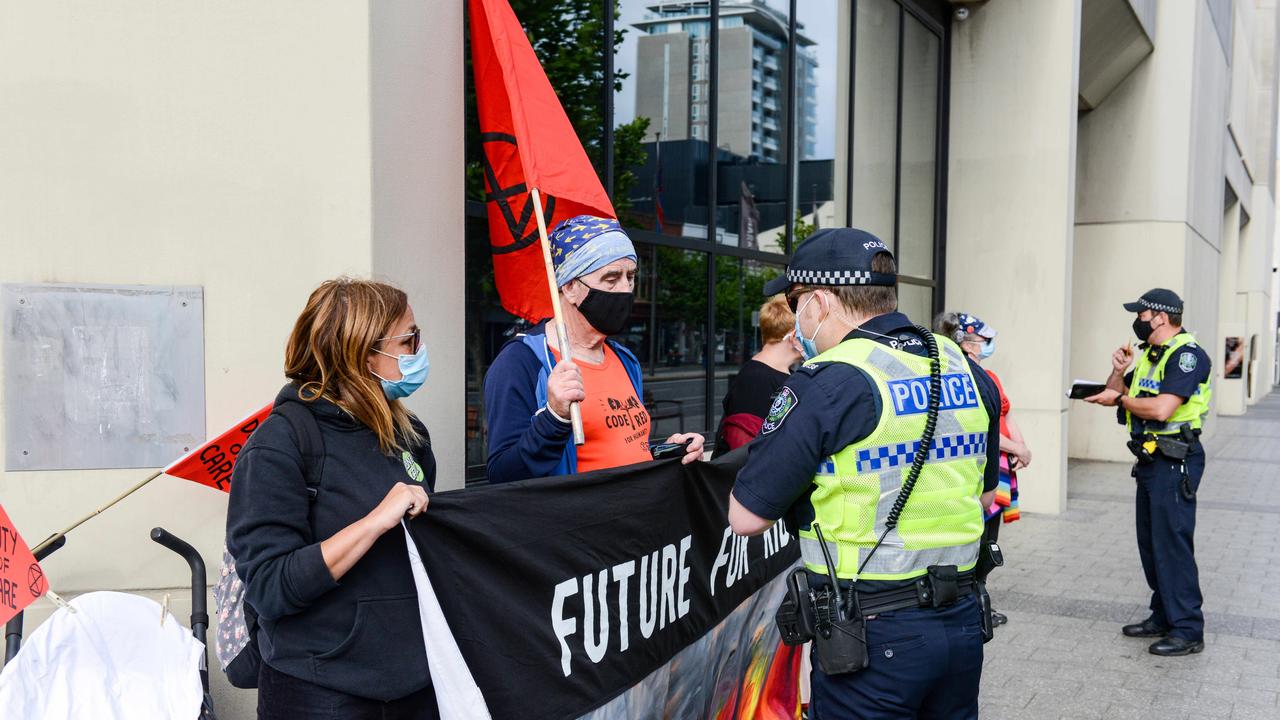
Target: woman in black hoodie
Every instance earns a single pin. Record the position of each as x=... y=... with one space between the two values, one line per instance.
x=328 y=573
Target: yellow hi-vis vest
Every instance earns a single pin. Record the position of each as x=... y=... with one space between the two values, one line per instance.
x=1148 y=375
x=857 y=486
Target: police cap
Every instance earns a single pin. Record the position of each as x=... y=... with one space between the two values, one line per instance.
x=1158 y=300
x=833 y=256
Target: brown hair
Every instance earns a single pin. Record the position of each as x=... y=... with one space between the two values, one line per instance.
x=947 y=324
x=776 y=319
x=865 y=300
x=328 y=350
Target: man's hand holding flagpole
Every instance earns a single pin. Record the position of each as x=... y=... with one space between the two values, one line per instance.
x=566 y=350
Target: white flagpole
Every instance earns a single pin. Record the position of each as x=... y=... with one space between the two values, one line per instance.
x=566 y=352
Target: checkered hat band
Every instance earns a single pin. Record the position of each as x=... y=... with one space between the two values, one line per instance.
x=839 y=277
x=1158 y=307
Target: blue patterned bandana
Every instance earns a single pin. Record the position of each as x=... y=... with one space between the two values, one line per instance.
x=583 y=244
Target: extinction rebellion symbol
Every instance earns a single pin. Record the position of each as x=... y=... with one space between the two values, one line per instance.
x=523 y=228
x=35 y=580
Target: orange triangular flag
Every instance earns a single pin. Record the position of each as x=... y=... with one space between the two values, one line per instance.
x=21 y=579
x=211 y=463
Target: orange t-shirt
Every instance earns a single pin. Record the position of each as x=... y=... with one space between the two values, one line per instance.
x=614 y=421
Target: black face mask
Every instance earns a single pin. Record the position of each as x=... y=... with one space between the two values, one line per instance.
x=607 y=312
x=1143 y=329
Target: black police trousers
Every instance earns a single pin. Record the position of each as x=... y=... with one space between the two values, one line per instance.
x=925 y=664
x=1166 y=524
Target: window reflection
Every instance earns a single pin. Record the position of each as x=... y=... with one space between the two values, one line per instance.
x=818 y=78
x=917 y=302
x=875 y=116
x=917 y=191
x=662 y=107
x=752 y=180
x=668 y=333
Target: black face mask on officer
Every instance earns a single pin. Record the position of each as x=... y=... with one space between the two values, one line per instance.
x=607 y=312
x=1142 y=328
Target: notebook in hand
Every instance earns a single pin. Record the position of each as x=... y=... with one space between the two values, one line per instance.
x=1081 y=389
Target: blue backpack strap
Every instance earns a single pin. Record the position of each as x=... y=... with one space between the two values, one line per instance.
x=538 y=344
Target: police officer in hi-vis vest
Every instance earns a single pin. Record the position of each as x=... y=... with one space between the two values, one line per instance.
x=881 y=451
x=1163 y=401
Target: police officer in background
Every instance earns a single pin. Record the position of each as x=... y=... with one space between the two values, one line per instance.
x=1163 y=401
x=835 y=458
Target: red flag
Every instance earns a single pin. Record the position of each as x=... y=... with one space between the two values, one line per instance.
x=21 y=579
x=211 y=463
x=528 y=142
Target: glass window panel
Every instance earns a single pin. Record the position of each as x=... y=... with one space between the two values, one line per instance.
x=917 y=302
x=488 y=327
x=668 y=333
x=661 y=109
x=920 y=70
x=818 y=39
x=752 y=126
x=739 y=295
x=875 y=116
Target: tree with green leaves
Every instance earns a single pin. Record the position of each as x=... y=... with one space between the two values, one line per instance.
x=802 y=229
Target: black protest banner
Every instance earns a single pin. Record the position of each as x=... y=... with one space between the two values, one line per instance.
x=563 y=593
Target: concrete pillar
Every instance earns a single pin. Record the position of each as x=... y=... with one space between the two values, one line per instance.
x=1011 y=204
x=1229 y=394
x=1254 y=282
x=417 y=200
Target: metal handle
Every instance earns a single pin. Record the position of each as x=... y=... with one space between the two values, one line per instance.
x=199 y=583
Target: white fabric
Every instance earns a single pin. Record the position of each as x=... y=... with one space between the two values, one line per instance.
x=457 y=695
x=110 y=659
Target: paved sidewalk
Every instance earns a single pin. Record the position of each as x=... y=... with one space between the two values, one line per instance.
x=1072 y=580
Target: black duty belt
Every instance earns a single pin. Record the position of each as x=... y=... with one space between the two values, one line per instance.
x=925 y=592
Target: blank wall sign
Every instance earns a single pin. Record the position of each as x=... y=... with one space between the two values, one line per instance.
x=101 y=376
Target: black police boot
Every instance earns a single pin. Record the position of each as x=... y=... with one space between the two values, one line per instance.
x=1146 y=628
x=1174 y=646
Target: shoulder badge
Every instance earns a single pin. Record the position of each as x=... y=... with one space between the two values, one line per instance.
x=783 y=403
x=1187 y=362
x=411 y=466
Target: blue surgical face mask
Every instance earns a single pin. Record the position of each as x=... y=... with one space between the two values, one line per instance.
x=988 y=349
x=413 y=372
x=808 y=348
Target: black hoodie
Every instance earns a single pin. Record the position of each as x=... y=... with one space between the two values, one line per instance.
x=362 y=635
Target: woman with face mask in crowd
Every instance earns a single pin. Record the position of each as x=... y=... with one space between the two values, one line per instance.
x=978 y=340
x=314 y=529
x=529 y=387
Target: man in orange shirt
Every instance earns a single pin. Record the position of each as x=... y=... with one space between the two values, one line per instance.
x=529 y=387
